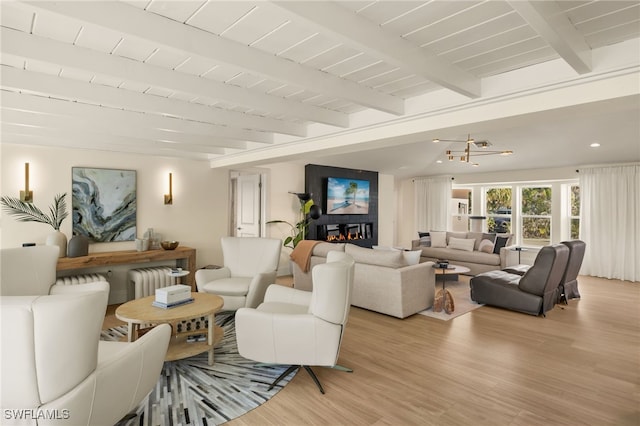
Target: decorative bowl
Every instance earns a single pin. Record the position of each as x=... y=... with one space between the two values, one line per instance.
x=169 y=245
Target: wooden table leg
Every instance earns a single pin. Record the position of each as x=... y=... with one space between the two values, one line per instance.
x=132 y=331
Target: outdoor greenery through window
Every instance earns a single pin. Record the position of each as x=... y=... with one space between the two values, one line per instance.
x=498 y=209
x=536 y=216
x=575 y=212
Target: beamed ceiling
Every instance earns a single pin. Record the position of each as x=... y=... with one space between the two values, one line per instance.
x=365 y=84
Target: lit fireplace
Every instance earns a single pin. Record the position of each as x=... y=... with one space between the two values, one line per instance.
x=344 y=232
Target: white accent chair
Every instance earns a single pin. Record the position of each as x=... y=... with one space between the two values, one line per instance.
x=31 y=271
x=250 y=266
x=52 y=362
x=56 y=371
x=300 y=328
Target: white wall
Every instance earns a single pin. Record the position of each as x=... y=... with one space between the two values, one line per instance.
x=386 y=211
x=197 y=218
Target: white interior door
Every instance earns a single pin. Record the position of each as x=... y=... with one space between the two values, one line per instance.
x=248 y=206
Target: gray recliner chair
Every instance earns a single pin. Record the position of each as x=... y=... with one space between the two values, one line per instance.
x=533 y=293
x=569 y=284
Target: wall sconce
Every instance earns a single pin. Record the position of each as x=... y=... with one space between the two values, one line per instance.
x=168 y=198
x=26 y=195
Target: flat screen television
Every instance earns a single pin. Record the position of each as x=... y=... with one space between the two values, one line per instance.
x=347 y=196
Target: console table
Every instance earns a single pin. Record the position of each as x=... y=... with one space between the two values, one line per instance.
x=185 y=256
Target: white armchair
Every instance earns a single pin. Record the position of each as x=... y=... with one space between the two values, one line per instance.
x=250 y=265
x=31 y=271
x=297 y=327
x=55 y=370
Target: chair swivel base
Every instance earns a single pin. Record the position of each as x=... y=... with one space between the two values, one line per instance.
x=293 y=368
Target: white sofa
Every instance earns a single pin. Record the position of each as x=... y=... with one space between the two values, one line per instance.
x=477 y=261
x=384 y=281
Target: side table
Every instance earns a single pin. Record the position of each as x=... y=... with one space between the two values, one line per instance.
x=443 y=295
x=519 y=250
x=178 y=275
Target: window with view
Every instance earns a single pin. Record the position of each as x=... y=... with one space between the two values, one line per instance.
x=575 y=212
x=498 y=209
x=536 y=216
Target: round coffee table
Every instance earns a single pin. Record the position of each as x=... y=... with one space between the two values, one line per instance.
x=141 y=311
x=444 y=294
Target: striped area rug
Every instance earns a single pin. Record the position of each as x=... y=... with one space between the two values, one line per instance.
x=191 y=392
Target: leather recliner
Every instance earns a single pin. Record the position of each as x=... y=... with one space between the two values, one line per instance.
x=535 y=292
x=569 y=285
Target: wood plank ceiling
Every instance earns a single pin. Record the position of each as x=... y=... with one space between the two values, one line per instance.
x=205 y=79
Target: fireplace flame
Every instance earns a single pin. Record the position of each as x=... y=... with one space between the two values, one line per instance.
x=343 y=237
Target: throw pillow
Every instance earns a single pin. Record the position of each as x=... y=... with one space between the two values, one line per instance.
x=425 y=239
x=438 y=239
x=486 y=246
x=412 y=257
x=500 y=242
x=465 y=244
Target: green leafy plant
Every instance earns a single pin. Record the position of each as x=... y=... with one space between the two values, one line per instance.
x=28 y=212
x=308 y=212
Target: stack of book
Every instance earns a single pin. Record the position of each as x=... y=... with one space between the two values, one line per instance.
x=172 y=296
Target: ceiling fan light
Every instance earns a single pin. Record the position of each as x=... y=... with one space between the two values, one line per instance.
x=450 y=157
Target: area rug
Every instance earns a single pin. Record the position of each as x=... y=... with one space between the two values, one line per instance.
x=191 y=392
x=461 y=296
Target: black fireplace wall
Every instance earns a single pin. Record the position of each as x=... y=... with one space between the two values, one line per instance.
x=316 y=183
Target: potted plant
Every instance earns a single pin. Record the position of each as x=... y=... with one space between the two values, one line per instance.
x=29 y=212
x=308 y=212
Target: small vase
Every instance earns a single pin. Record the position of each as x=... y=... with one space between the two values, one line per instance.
x=57 y=238
x=78 y=246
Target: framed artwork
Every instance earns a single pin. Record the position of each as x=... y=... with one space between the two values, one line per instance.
x=347 y=196
x=104 y=204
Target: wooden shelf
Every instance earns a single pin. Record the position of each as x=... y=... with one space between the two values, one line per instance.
x=179 y=348
x=186 y=255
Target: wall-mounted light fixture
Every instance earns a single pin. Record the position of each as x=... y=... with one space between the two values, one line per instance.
x=168 y=198
x=26 y=195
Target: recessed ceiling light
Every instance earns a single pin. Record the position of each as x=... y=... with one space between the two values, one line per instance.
x=439 y=161
x=594 y=145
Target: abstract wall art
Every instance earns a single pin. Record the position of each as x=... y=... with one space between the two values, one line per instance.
x=104 y=204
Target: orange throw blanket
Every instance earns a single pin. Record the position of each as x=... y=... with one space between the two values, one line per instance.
x=301 y=254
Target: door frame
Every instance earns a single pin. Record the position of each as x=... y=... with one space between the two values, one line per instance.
x=264 y=179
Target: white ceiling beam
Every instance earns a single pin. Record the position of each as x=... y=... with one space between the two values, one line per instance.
x=158 y=127
x=358 y=32
x=73 y=124
x=42 y=49
x=548 y=20
x=135 y=22
x=12 y=133
x=50 y=85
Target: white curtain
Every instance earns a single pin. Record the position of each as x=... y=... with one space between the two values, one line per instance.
x=433 y=200
x=610 y=221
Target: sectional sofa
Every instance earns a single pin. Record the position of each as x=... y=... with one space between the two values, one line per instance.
x=385 y=281
x=468 y=249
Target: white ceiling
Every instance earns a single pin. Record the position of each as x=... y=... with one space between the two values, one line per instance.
x=360 y=84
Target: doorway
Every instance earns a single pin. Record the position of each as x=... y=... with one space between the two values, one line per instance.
x=247 y=204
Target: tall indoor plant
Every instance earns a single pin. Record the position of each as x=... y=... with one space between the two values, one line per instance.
x=308 y=212
x=29 y=212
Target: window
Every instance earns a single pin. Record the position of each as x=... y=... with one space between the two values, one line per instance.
x=498 y=209
x=536 y=216
x=575 y=211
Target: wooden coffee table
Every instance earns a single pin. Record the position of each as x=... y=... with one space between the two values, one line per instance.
x=141 y=311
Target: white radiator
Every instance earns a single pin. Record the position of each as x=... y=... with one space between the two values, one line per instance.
x=144 y=282
x=80 y=279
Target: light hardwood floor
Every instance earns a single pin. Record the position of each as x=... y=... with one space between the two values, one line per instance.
x=578 y=366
